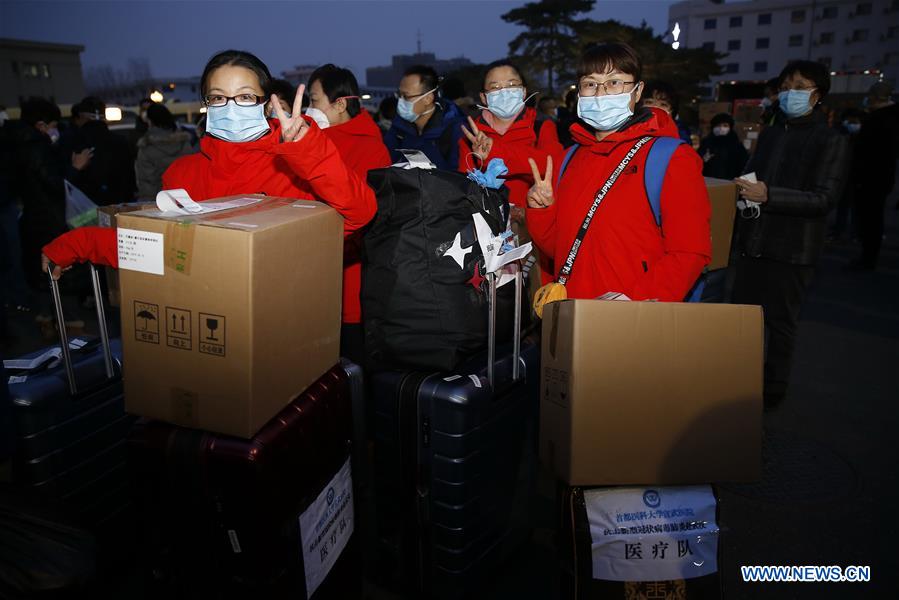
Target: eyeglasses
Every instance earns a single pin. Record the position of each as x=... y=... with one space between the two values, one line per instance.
x=588 y=87
x=496 y=86
x=239 y=100
x=401 y=96
x=798 y=89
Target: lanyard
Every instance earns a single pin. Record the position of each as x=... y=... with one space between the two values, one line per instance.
x=565 y=272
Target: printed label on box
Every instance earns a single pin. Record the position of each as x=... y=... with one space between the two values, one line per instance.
x=141 y=251
x=652 y=534
x=326 y=527
x=178 y=328
x=146 y=322
x=212 y=334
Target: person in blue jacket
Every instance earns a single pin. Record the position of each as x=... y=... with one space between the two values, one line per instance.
x=424 y=121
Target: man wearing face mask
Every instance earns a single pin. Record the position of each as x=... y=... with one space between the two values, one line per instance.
x=800 y=164
x=722 y=152
x=38 y=183
x=424 y=121
x=624 y=248
x=850 y=126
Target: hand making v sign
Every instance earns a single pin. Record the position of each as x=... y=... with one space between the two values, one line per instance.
x=541 y=193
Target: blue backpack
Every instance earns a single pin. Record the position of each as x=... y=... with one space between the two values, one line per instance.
x=653 y=176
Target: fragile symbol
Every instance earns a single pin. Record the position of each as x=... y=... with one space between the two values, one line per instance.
x=212 y=336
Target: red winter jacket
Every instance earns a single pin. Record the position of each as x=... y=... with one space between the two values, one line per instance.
x=360 y=144
x=311 y=169
x=624 y=251
x=521 y=140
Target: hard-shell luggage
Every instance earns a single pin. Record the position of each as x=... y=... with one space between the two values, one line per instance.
x=272 y=516
x=580 y=550
x=70 y=424
x=454 y=469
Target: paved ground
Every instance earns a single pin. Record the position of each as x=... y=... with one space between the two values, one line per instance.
x=832 y=469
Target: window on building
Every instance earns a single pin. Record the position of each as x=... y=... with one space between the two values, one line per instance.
x=797 y=16
x=765 y=19
x=863 y=8
x=30 y=70
x=860 y=35
x=825 y=60
x=796 y=40
x=731 y=68
x=826 y=38
x=829 y=12
x=736 y=21
x=893 y=32
x=760 y=66
x=710 y=46
x=891 y=58
x=762 y=43
x=711 y=23
x=45 y=71
x=733 y=45
x=857 y=60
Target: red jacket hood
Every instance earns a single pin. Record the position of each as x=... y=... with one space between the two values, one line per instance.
x=360 y=125
x=652 y=122
x=521 y=130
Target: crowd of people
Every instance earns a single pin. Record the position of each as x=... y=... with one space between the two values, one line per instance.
x=565 y=156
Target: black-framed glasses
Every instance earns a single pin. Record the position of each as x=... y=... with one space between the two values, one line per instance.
x=588 y=87
x=239 y=100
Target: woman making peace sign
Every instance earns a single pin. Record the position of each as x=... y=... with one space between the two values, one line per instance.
x=243 y=153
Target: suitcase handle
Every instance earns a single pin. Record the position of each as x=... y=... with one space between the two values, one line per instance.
x=64 y=337
x=491 y=327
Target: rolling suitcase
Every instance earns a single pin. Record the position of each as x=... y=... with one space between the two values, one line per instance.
x=272 y=516
x=70 y=425
x=455 y=466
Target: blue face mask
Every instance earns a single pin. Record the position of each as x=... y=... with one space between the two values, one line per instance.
x=852 y=127
x=605 y=113
x=795 y=103
x=406 y=108
x=506 y=103
x=235 y=123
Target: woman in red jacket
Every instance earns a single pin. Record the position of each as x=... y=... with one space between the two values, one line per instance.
x=334 y=105
x=244 y=153
x=624 y=250
x=511 y=128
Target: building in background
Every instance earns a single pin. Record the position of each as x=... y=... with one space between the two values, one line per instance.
x=389 y=76
x=299 y=74
x=32 y=68
x=759 y=37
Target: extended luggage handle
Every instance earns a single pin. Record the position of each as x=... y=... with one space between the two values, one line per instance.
x=491 y=326
x=64 y=337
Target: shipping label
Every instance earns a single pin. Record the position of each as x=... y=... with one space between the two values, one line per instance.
x=141 y=251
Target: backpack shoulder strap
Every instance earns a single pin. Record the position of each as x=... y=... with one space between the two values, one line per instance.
x=568 y=156
x=654 y=172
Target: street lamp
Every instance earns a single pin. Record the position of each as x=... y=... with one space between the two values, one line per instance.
x=156 y=96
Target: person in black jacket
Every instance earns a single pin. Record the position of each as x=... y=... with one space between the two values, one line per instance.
x=722 y=152
x=800 y=164
x=874 y=172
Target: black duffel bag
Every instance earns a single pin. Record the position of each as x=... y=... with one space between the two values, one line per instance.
x=424 y=296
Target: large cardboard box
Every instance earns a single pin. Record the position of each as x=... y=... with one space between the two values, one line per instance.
x=106 y=217
x=657 y=393
x=227 y=316
x=723 y=198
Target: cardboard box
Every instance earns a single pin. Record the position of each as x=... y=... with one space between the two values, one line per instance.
x=227 y=316
x=723 y=198
x=106 y=217
x=655 y=393
x=707 y=110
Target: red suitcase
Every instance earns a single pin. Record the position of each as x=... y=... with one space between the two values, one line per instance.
x=269 y=517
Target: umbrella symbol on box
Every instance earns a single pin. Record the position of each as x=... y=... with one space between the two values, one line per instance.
x=146 y=316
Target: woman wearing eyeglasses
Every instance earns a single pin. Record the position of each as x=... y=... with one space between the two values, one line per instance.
x=244 y=153
x=624 y=248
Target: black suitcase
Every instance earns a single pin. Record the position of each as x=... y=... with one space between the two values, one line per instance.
x=224 y=516
x=70 y=426
x=454 y=469
x=575 y=545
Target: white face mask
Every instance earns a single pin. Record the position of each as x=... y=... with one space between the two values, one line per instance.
x=721 y=130
x=4 y=117
x=320 y=118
